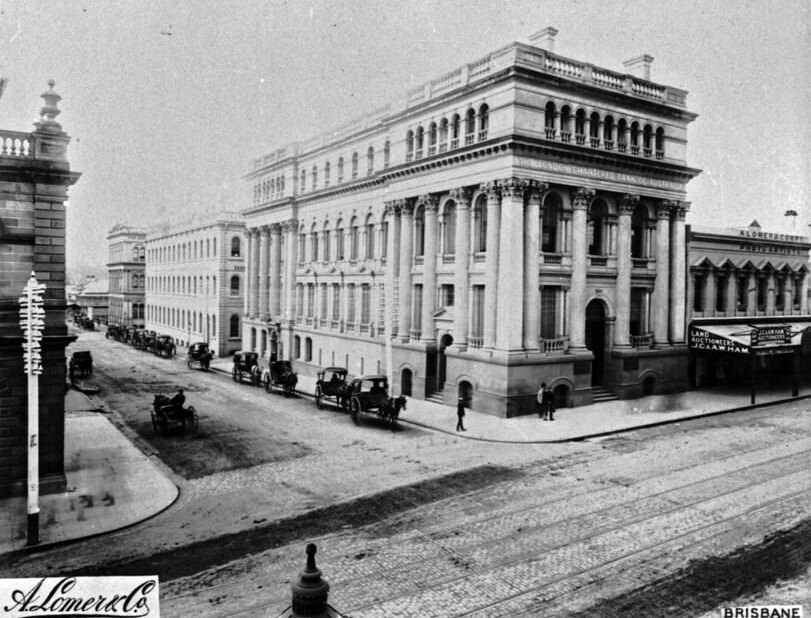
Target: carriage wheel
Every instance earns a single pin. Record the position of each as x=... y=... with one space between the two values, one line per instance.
x=188 y=362
x=354 y=411
x=318 y=397
x=194 y=420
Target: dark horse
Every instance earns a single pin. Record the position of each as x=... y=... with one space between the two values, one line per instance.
x=390 y=410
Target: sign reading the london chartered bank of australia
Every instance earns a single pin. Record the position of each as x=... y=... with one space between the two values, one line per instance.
x=703 y=340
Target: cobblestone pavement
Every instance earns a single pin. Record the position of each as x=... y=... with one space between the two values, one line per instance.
x=668 y=521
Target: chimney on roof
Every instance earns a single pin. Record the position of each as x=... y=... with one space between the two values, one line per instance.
x=639 y=66
x=545 y=39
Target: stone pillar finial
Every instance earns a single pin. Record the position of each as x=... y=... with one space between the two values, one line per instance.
x=310 y=591
x=50 y=110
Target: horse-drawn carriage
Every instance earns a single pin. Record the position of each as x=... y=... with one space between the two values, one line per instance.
x=199 y=353
x=113 y=332
x=332 y=384
x=280 y=374
x=83 y=321
x=130 y=335
x=371 y=394
x=244 y=364
x=81 y=363
x=170 y=413
x=164 y=346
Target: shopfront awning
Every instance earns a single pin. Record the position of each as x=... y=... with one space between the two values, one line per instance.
x=746 y=338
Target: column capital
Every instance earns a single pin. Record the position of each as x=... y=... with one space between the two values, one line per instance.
x=289 y=225
x=627 y=204
x=513 y=187
x=275 y=228
x=536 y=188
x=429 y=202
x=581 y=197
x=461 y=196
x=663 y=210
x=391 y=207
x=491 y=189
x=406 y=207
x=680 y=210
x=264 y=230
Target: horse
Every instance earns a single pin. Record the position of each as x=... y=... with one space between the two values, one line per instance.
x=289 y=380
x=390 y=410
x=256 y=375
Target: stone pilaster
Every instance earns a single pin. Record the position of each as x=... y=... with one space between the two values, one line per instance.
x=406 y=258
x=392 y=266
x=510 y=314
x=770 y=294
x=462 y=261
x=532 y=236
x=248 y=285
x=429 y=268
x=622 y=331
x=731 y=292
x=661 y=314
x=290 y=228
x=491 y=263
x=264 y=247
x=275 y=270
x=751 y=293
x=678 y=257
x=254 y=276
x=710 y=293
x=804 y=294
x=788 y=295
x=577 y=291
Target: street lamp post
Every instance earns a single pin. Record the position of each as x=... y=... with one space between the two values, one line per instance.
x=32 y=321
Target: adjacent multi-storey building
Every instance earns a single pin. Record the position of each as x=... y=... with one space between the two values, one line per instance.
x=195 y=281
x=126 y=265
x=747 y=301
x=34 y=180
x=518 y=220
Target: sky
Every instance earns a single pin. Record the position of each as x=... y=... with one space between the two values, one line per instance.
x=168 y=101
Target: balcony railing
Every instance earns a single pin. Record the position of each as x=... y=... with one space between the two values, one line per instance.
x=479 y=257
x=565 y=137
x=642 y=341
x=598 y=260
x=634 y=149
x=454 y=143
x=555 y=345
x=622 y=147
x=16 y=144
x=470 y=138
x=419 y=260
x=595 y=142
x=364 y=328
x=475 y=342
x=414 y=334
x=640 y=262
x=418 y=154
x=431 y=150
x=552 y=258
x=482 y=135
x=647 y=152
x=550 y=133
x=580 y=139
x=409 y=158
x=334 y=323
x=608 y=144
x=660 y=154
x=308 y=320
x=448 y=258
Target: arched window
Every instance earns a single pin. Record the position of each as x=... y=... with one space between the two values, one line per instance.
x=635 y=138
x=386 y=154
x=484 y=121
x=235 y=246
x=339 y=240
x=449 y=229
x=550 y=215
x=340 y=169
x=302 y=245
x=622 y=135
x=326 y=174
x=549 y=120
x=660 y=143
x=419 y=231
x=594 y=130
x=639 y=226
x=598 y=214
x=409 y=145
x=315 y=177
x=456 y=123
x=608 y=133
x=566 y=124
x=308 y=349
x=470 y=126
x=354 y=233
x=420 y=139
x=580 y=127
x=370 y=160
x=443 y=135
x=480 y=224
x=214 y=248
x=325 y=234
x=313 y=244
x=432 y=135
x=647 y=138
x=370 y=238
x=233 y=326
x=235 y=285
x=354 y=165
x=384 y=237
x=303 y=183
x=297 y=346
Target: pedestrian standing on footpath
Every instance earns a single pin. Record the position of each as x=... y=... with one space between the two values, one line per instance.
x=541 y=409
x=460 y=415
x=547 y=403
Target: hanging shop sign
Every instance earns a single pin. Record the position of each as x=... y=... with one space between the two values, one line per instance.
x=701 y=339
x=770 y=335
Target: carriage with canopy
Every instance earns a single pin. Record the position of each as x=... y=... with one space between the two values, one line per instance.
x=280 y=374
x=370 y=393
x=332 y=384
x=199 y=353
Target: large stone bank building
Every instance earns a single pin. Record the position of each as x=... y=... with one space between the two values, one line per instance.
x=518 y=220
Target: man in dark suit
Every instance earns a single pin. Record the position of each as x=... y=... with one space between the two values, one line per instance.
x=460 y=415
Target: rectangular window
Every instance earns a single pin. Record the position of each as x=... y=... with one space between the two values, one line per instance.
x=314 y=247
x=310 y=299
x=549 y=295
x=477 y=316
x=299 y=300
x=350 y=302
x=384 y=240
x=336 y=301
x=446 y=296
x=370 y=242
x=637 y=319
x=322 y=305
x=416 y=315
x=365 y=303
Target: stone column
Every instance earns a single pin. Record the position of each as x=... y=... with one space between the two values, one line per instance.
x=510 y=314
x=804 y=295
x=662 y=283
x=732 y=292
x=491 y=264
x=577 y=291
x=678 y=256
x=290 y=230
x=431 y=205
x=406 y=258
x=461 y=264
x=263 y=272
x=770 y=294
x=622 y=330
x=532 y=236
x=254 y=277
x=556 y=124
x=392 y=212
x=751 y=293
x=275 y=270
x=788 y=295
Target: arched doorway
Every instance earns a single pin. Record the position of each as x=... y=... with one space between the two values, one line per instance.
x=466 y=393
x=274 y=346
x=405 y=382
x=441 y=374
x=595 y=339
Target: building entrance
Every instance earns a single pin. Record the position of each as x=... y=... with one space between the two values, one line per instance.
x=595 y=339
x=446 y=341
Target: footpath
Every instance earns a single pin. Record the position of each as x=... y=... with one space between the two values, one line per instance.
x=111 y=484
x=592 y=421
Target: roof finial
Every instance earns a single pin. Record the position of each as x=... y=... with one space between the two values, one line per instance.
x=310 y=591
x=49 y=111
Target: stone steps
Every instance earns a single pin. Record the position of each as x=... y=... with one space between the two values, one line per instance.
x=599 y=394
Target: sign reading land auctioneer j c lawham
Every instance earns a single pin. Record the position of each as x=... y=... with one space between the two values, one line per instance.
x=136 y=597
x=701 y=339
